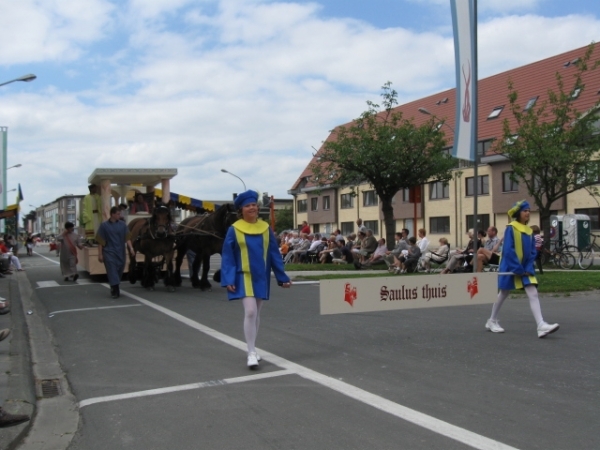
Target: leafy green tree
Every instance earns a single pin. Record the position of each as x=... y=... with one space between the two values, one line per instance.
x=552 y=145
x=284 y=219
x=387 y=151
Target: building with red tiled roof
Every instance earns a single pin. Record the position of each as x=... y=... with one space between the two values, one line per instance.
x=446 y=210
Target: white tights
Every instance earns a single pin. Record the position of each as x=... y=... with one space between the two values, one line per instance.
x=534 y=303
x=252 y=308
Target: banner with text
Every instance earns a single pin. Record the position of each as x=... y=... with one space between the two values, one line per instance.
x=363 y=294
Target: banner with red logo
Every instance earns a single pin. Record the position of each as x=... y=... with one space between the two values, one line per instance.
x=407 y=292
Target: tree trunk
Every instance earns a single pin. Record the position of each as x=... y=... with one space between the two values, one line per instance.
x=390 y=223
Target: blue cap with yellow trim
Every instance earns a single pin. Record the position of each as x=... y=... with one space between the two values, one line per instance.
x=517 y=208
x=245 y=198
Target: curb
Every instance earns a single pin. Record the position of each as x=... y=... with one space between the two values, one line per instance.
x=56 y=419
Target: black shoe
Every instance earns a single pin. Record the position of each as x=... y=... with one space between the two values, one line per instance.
x=113 y=291
x=66 y=278
x=75 y=277
x=118 y=291
x=7 y=420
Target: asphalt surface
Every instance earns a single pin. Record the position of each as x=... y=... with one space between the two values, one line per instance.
x=160 y=370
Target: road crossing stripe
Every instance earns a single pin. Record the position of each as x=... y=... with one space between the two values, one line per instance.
x=438 y=426
x=90 y=309
x=184 y=387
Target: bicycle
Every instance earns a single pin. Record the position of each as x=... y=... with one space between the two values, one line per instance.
x=561 y=256
x=586 y=254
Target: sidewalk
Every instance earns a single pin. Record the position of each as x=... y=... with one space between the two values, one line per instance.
x=17 y=393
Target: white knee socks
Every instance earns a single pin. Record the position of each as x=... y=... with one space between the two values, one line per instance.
x=252 y=307
x=534 y=303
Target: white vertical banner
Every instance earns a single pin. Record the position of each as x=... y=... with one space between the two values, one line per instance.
x=465 y=50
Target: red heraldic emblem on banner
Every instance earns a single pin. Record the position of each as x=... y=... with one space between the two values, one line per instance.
x=349 y=294
x=472 y=287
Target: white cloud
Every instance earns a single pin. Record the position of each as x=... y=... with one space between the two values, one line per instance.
x=247 y=86
x=47 y=30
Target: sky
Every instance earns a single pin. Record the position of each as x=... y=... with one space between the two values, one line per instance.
x=250 y=86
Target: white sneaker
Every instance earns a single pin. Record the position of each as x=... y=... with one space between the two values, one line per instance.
x=258 y=358
x=545 y=329
x=252 y=360
x=494 y=326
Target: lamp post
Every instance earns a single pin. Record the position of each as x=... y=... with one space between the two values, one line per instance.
x=14 y=167
x=27 y=78
x=429 y=113
x=234 y=175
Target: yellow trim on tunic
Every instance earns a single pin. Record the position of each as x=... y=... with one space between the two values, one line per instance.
x=519 y=228
x=245 y=257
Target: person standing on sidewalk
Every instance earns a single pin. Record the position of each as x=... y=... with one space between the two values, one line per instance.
x=249 y=254
x=518 y=257
x=69 y=241
x=112 y=237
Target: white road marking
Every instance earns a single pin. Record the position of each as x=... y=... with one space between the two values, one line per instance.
x=47 y=284
x=184 y=387
x=410 y=415
x=90 y=309
x=51 y=260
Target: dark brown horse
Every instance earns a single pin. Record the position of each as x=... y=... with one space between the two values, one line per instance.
x=154 y=238
x=204 y=236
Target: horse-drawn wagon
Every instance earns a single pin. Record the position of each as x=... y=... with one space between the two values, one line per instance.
x=115 y=185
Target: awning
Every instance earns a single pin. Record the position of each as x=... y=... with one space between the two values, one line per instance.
x=189 y=203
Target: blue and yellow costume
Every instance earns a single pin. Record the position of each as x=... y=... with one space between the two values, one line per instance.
x=518 y=253
x=249 y=254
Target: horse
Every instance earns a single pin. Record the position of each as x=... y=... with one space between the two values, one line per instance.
x=154 y=238
x=203 y=235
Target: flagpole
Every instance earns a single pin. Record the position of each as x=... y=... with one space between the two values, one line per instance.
x=475 y=136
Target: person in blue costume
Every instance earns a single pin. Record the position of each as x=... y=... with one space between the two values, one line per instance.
x=111 y=237
x=249 y=254
x=518 y=257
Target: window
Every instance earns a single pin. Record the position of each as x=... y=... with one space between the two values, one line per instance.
x=347 y=228
x=326 y=202
x=508 y=185
x=438 y=190
x=588 y=173
x=369 y=198
x=495 y=112
x=372 y=225
x=482 y=219
x=530 y=103
x=594 y=215
x=71 y=217
x=301 y=206
x=439 y=225
x=346 y=201
x=405 y=195
x=316 y=228
x=576 y=92
x=314 y=204
x=483 y=186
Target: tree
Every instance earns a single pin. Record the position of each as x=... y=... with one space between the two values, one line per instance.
x=552 y=146
x=385 y=150
x=284 y=219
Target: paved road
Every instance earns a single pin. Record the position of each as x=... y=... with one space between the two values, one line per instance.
x=158 y=370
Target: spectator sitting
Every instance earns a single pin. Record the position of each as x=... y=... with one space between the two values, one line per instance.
x=367 y=246
x=376 y=257
x=315 y=247
x=358 y=242
x=422 y=242
x=439 y=256
x=350 y=241
x=13 y=259
x=490 y=252
x=457 y=257
x=401 y=244
x=304 y=245
x=345 y=254
x=409 y=261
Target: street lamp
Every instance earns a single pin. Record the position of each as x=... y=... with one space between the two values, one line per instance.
x=429 y=113
x=234 y=175
x=12 y=190
x=15 y=166
x=26 y=78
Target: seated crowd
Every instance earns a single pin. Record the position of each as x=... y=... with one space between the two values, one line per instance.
x=409 y=254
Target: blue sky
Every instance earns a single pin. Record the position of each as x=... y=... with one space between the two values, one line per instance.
x=250 y=86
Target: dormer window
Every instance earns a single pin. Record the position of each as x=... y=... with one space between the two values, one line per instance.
x=496 y=112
